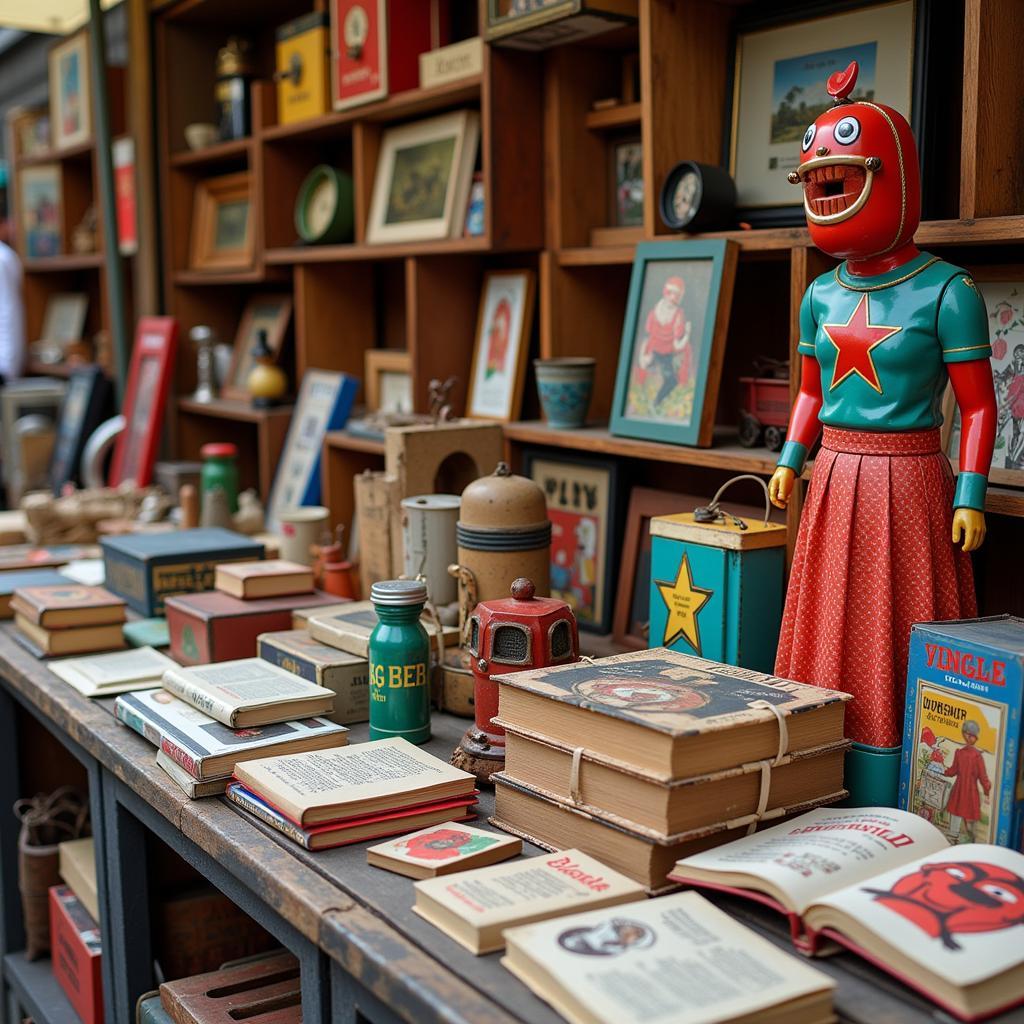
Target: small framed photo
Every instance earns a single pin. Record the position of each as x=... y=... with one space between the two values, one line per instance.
x=673 y=338
x=502 y=345
x=424 y=174
x=627 y=177
x=388 y=381
x=31 y=131
x=633 y=596
x=270 y=312
x=40 y=211
x=222 y=236
x=70 y=102
x=149 y=377
x=582 y=497
x=64 y=318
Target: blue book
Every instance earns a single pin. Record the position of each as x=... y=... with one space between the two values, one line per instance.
x=962 y=767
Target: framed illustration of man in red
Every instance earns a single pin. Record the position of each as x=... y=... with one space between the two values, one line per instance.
x=149 y=376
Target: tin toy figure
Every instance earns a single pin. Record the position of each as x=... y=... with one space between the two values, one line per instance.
x=884 y=534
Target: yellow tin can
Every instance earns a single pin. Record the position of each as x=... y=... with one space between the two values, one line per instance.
x=303 y=68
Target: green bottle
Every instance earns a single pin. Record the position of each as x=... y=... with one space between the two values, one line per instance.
x=399 y=662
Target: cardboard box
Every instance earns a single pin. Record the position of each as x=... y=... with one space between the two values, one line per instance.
x=145 y=569
x=213 y=626
x=77 y=859
x=77 y=954
x=349 y=629
x=347 y=675
x=450 y=63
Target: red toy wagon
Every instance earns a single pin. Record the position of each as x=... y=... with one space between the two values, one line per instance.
x=764 y=410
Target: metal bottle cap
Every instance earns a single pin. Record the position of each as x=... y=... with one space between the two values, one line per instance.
x=396 y=593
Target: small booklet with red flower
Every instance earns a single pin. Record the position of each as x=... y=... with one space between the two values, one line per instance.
x=442 y=850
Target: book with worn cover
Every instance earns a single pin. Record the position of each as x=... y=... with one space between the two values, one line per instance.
x=102 y=675
x=322 y=786
x=11 y=581
x=301 y=616
x=475 y=907
x=248 y=692
x=443 y=850
x=678 y=958
x=349 y=629
x=671 y=714
x=77 y=968
x=346 y=675
x=77 y=866
x=357 y=829
x=206 y=748
x=19 y=557
x=886 y=884
x=79 y=640
x=67 y=606
x=267 y=578
x=192 y=788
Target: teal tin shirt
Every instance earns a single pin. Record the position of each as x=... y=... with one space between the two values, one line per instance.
x=882 y=342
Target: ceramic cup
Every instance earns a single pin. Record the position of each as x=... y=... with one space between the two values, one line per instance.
x=300 y=529
x=565 y=385
x=200 y=134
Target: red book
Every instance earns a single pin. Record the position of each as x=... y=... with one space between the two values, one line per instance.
x=77 y=954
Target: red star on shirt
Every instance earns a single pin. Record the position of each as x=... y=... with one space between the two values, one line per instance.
x=854 y=341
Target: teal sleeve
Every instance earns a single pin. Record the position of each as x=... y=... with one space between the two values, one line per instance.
x=963 y=322
x=970 y=491
x=793 y=456
x=808 y=325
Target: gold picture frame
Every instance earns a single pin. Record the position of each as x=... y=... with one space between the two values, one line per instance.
x=385 y=370
x=222 y=231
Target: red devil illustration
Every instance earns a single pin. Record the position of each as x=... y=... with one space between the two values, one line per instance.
x=958 y=897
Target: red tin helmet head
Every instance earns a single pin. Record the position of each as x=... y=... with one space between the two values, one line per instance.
x=860 y=175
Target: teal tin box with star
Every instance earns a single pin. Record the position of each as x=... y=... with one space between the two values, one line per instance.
x=717 y=588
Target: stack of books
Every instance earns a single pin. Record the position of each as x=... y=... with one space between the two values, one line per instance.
x=642 y=759
x=67 y=618
x=350 y=794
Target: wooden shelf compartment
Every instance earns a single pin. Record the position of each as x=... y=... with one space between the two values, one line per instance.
x=622 y=115
x=232 y=409
x=340 y=465
x=359 y=252
x=37 y=990
x=79 y=151
x=232 y=151
x=64 y=262
x=354 y=443
x=254 y=275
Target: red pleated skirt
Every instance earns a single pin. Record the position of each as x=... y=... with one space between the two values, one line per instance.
x=873 y=556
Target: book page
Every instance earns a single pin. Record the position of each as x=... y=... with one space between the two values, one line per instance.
x=250 y=682
x=958 y=912
x=120 y=667
x=675 y=958
x=823 y=850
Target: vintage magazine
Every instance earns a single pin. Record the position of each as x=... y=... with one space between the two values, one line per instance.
x=442 y=850
x=102 y=675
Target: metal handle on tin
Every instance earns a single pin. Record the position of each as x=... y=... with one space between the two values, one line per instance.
x=711 y=512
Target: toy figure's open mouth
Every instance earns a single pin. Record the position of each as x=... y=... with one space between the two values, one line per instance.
x=834 y=187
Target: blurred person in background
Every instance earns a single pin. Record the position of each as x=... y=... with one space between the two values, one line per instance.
x=12 y=303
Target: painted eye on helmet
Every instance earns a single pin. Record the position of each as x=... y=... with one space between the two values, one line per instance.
x=808 y=138
x=999 y=893
x=847 y=130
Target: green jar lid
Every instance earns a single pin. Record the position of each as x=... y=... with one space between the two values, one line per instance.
x=398 y=593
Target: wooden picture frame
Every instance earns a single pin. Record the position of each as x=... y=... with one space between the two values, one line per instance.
x=149 y=378
x=670 y=359
x=634 y=568
x=583 y=503
x=70 y=92
x=424 y=172
x=222 y=229
x=388 y=380
x=625 y=172
x=64 y=317
x=501 y=346
x=270 y=312
x=40 y=211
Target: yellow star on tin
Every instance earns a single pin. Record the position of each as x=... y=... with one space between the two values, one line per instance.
x=683 y=601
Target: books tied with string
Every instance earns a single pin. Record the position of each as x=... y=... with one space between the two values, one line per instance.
x=644 y=758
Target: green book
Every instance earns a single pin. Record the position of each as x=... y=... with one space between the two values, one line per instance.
x=149 y=1011
x=147 y=633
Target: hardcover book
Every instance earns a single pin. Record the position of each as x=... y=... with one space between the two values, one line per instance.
x=672 y=714
x=145 y=568
x=678 y=958
x=204 y=747
x=19 y=557
x=77 y=860
x=885 y=884
x=962 y=766
x=346 y=675
x=67 y=605
x=475 y=907
x=349 y=629
x=81 y=640
x=192 y=788
x=217 y=627
x=248 y=692
x=102 y=675
x=443 y=850
x=75 y=936
x=301 y=616
x=324 y=786
x=269 y=578
x=12 y=581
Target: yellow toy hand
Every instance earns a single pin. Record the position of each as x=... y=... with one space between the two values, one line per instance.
x=968 y=525
x=780 y=487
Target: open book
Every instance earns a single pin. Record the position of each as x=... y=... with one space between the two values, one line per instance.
x=947 y=921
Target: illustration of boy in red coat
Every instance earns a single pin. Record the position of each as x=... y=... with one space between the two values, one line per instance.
x=666 y=348
x=964 y=804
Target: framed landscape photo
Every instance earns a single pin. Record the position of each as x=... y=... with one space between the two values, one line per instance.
x=582 y=500
x=270 y=312
x=501 y=346
x=673 y=338
x=40 y=210
x=70 y=103
x=222 y=236
x=388 y=380
x=424 y=172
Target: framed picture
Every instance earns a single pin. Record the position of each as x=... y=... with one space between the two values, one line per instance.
x=64 y=318
x=149 y=377
x=31 y=131
x=40 y=210
x=581 y=494
x=502 y=344
x=29 y=396
x=633 y=596
x=86 y=405
x=70 y=105
x=1003 y=291
x=388 y=380
x=781 y=65
x=539 y=24
x=670 y=360
x=270 y=312
x=627 y=176
x=423 y=177
x=222 y=236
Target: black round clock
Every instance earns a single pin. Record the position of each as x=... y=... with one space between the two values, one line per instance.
x=698 y=197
